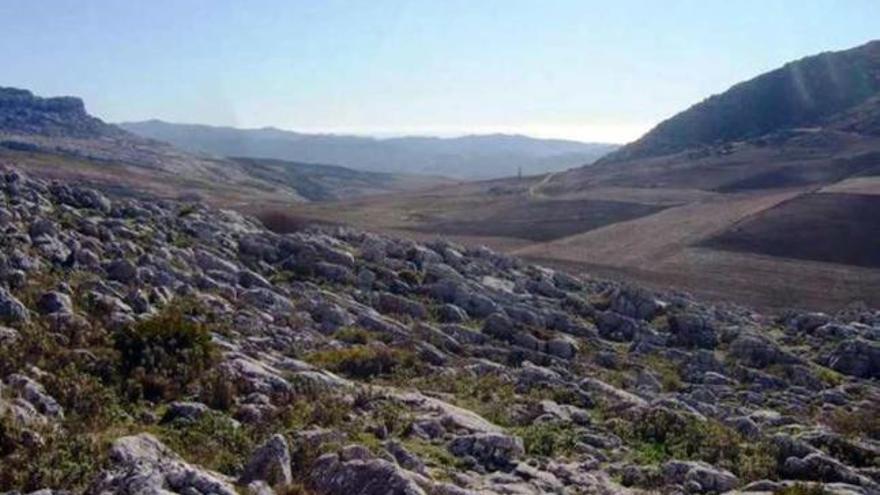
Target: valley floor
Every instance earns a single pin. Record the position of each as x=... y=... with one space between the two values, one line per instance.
x=669 y=238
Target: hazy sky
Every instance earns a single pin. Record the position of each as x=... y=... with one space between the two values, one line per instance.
x=589 y=70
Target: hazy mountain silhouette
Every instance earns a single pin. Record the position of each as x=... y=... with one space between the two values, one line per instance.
x=481 y=156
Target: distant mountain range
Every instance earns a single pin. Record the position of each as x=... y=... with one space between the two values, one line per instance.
x=469 y=157
x=816 y=91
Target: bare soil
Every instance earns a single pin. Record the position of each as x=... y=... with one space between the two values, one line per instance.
x=830 y=227
x=542 y=220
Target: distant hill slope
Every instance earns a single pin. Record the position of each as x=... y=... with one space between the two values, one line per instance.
x=805 y=93
x=484 y=156
x=57 y=138
x=318 y=182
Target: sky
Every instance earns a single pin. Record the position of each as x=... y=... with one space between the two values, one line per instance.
x=587 y=70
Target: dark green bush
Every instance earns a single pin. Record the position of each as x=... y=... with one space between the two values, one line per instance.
x=364 y=362
x=802 y=489
x=660 y=434
x=410 y=277
x=57 y=459
x=162 y=356
x=549 y=439
x=213 y=441
x=353 y=335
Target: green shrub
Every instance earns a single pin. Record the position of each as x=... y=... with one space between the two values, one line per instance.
x=410 y=277
x=364 y=362
x=162 y=356
x=89 y=403
x=213 y=441
x=830 y=377
x=353 y=335
x=667 y=372
x=58 y=460
x=861 y=422
x=326 y=410
x=660 y=434
x=437 y=456
x=802 y=489
x=549 y=439
x=490 y=395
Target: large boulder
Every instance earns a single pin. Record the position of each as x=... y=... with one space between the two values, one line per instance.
x=856 y=357
x=184 y=411
x=11 y=309
x=563 y=347
x=692 y=330
x=636 y=303
x=394 y=304
x=33 y=392
x=54 y=302
x=331 y=475
x=493 y=450
x=616 y=327
x=702 y=477
x=269 y=463
x=821 y=467
x=759 y=352
x=121 y=270
x=141 y=464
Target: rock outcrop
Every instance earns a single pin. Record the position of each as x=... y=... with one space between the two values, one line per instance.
x=214 y=355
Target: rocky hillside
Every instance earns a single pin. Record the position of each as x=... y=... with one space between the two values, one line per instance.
x=156 y=347
x=22 y=112
x=809 y=92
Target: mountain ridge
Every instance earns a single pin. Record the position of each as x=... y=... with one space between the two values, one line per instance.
x=470 y=156
x=803 y=93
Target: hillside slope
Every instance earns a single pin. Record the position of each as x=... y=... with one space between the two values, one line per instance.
x=319 y=182
x=468 y=157
x=804 y=93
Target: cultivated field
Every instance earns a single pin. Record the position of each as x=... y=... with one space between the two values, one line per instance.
x=745 y=224
x=831 y=227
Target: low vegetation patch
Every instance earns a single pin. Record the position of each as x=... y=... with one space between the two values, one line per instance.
x=161 y=357
x=861 y=422
x=803 y=489
x=32 y=460
x=213 y=441
x=549 y=439
x=659 y=435
x=364 y=362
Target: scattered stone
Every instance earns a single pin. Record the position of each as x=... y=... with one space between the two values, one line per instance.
x=122 y=271
x=856 y=357
x=54 y=302
x=269 y=463
x=184 y=411
x=11 y=309
x=493 y=450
